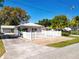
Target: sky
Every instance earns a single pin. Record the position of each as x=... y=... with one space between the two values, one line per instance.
x=42 y=9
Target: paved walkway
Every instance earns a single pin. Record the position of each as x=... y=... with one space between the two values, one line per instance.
x=20 y=49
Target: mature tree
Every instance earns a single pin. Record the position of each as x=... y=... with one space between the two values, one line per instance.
x=13 y=16
x=45 y=22
x=76 y=18
x=59 y=22
x=75 y=22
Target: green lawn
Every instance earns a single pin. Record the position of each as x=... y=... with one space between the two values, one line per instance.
x=65 y=43
x=2 y=49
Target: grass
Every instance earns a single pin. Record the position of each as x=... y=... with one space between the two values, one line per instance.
x=2 y=49
x=65 y=43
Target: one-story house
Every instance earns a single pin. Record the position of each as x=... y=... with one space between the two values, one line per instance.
x=30 y=27
x=35 y=31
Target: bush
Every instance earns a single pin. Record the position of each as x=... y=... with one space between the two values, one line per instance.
x=66 y=33
x=0 y=37
x=76 y=32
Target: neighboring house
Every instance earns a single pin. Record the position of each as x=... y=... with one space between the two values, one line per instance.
x=67 y=29
x=9 y=30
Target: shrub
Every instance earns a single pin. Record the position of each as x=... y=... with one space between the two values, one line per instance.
x=76 y=32
x=66 y=33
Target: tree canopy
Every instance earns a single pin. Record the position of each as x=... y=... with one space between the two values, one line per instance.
x=45 y=22
x=75 y=22
x=13 y=16
x=59 y=22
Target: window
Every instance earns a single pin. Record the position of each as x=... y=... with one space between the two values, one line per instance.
x=25 y=29
x=34 y=29
x=8 y=30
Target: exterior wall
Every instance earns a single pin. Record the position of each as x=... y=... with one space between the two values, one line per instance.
x=38 y=29
x=30 y=29
x=16 y=32
x=26 y=35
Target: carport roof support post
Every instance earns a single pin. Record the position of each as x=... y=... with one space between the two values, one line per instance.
x=30 y=35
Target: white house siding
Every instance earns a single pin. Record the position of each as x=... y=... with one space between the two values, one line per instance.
x=17 y=32
x=26 y=35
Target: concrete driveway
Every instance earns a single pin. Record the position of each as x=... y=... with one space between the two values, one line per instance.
x=69 y=52
x=21 y=49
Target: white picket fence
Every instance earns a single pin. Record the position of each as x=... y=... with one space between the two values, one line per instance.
x=41 y=35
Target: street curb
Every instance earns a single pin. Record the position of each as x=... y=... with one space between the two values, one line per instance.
x=2 y=57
